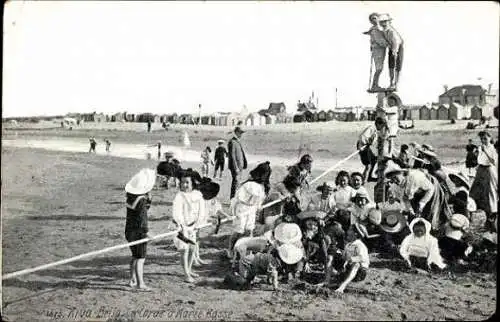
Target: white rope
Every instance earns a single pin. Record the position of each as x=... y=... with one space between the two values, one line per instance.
x=164 y=235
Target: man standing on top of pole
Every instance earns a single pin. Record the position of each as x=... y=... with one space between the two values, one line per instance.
x=378 y=45
x=396 y=49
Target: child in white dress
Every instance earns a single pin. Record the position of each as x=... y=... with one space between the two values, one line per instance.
x=188 y=211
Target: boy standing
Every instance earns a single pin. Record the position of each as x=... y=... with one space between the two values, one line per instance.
x=220 y=158
x=378 y=45
x=396 y=49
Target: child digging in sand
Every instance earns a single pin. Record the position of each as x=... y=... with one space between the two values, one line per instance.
x=136 y=227
x=188 y=209
x=355 y=260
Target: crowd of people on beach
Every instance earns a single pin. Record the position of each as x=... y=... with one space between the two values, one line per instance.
x=428 y=219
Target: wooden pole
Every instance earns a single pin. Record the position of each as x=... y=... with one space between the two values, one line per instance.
x=164 y=235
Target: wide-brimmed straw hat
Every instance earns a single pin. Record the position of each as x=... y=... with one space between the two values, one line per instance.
x=287 y=233
x=459 y=221
x=392 y=169
x=393 y=221
x=360 y=195
x=459 y=179
x=384 y=17
x=142 y=182
x=290 y=254
x=316 y=214
x=326 y=185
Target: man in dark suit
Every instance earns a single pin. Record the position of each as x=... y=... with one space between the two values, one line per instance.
x=236 y=159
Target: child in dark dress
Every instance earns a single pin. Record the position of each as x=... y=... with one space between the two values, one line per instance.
x=136 y=227
x=453 y=248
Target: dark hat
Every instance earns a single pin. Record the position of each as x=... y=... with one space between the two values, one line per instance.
x=194 y=175
x=459 y=179
x=263 y=170
x=393 y=221
x=306 y=158
x=484 y=133
x=238 y=130
x=209 y=189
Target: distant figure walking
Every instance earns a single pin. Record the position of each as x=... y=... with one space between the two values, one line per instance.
x=93 y=144
x=471 y=157
x=205 y=161
x=237 y=160
x=149 y=125
x=108 y=144
x=220 y=158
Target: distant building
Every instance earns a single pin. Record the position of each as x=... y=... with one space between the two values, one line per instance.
x=330 y=115
x=468 y=95
x=443 y=112
x=459 y=112
x=410 y=112
x=322 y=116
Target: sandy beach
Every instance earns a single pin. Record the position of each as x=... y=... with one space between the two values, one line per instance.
x=61 y=203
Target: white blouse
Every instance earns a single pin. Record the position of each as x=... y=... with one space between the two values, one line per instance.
x=484 y=157
x=188 y=208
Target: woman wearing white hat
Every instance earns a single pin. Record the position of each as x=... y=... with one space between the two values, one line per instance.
x=421 y=193
x=136 y=227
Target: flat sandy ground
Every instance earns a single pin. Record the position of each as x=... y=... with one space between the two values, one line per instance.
x=57 y=205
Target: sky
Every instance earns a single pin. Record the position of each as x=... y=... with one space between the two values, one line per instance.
x=164 y=57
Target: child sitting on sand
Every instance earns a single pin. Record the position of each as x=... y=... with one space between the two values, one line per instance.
x=354 y=258
x=136 y=227
x=420 y=248
x=453 y=248
x=187 y=210
x=247 y=201
x=206 y=161
x=279 y=261
x=325 y=201
x=360 y=208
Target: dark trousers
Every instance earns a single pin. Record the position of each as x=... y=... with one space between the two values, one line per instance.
x=234 y=182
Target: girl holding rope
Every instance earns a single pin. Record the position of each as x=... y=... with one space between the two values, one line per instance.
x=136 y=227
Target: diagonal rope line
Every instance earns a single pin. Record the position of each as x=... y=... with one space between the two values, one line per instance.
x=160 y=236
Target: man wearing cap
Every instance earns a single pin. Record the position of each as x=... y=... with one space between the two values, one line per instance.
x=396 y=48
x=237 y=160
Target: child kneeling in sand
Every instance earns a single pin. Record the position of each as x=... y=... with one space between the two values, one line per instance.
x=420 y=246
x=136 y=227
x=355 y=259
x=188 y=211
x=247 y=201
x=280 y=260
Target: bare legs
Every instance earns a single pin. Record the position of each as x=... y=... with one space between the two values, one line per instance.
x=376 y=77
x=352 y=274
x=136 y=273
x=187 y=263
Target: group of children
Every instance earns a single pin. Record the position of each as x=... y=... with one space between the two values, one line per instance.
x=298 y=232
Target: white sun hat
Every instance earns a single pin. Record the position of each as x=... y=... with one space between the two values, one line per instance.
x=287 y=233
x=290 y=254
x=142 y=182
x=384 y=17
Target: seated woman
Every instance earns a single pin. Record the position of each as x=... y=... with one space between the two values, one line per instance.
x=421 y=194
x=318 y=247
x=343 y=191
x=420 y=249
x=453 y=248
